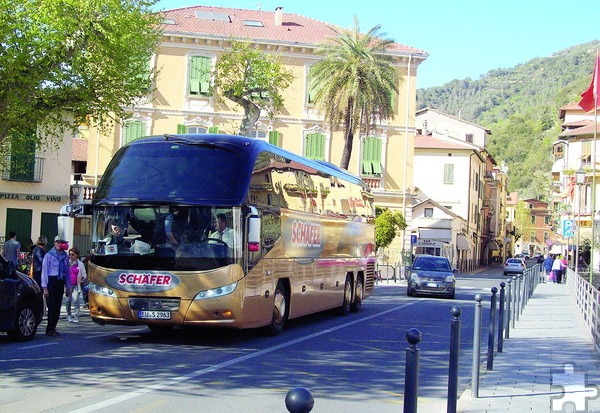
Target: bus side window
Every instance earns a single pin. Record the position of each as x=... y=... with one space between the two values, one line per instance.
x=271 y=230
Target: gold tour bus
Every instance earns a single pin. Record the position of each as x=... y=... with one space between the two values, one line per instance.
x=226 y=231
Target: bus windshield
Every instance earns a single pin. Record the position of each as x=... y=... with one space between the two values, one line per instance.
x=166 y=237
x=172 y=171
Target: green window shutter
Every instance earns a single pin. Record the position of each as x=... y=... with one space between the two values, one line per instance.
x=213 y=129
x=367 y=156
x=393 y=101
x=199 y=76
x=376 y=158
x=181 y=129
x=134 y=130
x=274 y=138
x=312 y=146
x=320 y=147
x=22 y=156
x=449 y=173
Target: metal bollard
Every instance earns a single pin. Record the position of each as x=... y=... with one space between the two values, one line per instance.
x=476 y=348
x=514 y=305
x=519 y=296
x=299 y=400
x=453 y=365
x=508 y=309
x=492 y=331
x=501 y=318
x=411 y=373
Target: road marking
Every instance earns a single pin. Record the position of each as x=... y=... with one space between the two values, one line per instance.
x=39 y=345
x=220 y=366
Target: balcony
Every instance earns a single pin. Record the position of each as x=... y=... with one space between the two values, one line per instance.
x=23 y=168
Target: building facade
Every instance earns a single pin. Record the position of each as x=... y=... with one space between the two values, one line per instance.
x=183 y=101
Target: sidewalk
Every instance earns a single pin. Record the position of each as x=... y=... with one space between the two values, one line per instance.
x=549 y=337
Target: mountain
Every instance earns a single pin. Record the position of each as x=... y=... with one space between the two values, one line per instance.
x=520 y=106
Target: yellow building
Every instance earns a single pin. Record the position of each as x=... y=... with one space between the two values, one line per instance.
x=183 y=102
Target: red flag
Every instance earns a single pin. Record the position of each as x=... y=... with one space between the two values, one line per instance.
x=589 y=98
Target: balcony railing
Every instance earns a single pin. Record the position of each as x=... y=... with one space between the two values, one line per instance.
x=23 y=168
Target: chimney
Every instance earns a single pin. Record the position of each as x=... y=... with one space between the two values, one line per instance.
x=278 y=16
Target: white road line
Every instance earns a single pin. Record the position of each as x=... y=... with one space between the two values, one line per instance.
x=220 y=366
x=40 y=345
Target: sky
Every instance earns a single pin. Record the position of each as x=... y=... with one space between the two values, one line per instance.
x=464 y=38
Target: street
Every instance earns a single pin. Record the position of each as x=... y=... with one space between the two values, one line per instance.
x=349 y=364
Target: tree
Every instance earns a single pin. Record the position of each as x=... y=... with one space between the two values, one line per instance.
x=64 y=61
x=522 y=223
x=387 y=223
x=355 y=82
x=253 y=80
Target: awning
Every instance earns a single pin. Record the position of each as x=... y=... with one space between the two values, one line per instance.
x=463 y=243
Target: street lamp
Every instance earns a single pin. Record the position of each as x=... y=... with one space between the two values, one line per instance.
x=75 y=192
x=580 y=181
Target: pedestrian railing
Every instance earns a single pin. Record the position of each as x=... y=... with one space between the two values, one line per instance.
x=587 y=299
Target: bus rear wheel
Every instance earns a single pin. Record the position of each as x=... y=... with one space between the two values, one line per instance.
x=280 y=310
x=358 y=295
x=344 y=309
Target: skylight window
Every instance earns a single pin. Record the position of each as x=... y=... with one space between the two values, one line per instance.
x=209 y=15
x=167 y=21
x=253 y=23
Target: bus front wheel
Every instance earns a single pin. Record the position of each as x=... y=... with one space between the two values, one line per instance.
x=280 y=310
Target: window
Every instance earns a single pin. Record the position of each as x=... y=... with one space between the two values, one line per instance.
x=449 y=173
x=22 y=157
x=197 y=129
x=533 y=219
x=532 y=237
x=310 y=88
x=199 y=76
x=371 y=156
x=547 y=220
x=132 y=130
x=315 y=146
x=274 y=138
x=428 y=212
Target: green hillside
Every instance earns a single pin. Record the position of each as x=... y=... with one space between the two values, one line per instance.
x=520 y=106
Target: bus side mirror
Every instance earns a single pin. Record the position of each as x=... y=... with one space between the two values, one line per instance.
x=253 y=230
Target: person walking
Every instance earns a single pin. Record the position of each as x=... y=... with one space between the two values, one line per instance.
x=77 y=275
x=55 y=270
x=557 y=269
x=12 y=249
x=547 y=266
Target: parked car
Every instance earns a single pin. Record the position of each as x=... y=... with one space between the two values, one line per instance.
x=21 y=303
x=514 y=266
x=432 y=275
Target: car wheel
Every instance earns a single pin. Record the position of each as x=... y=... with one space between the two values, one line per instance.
x=410 y=292
x=280 y=310
x=358 y=295
x=451 y=296
x=344 y=309
x=25 y=323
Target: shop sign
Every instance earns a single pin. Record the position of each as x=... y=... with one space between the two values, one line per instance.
x=34 y=197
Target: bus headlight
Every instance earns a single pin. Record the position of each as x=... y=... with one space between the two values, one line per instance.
x=216 y=292
x=97 y=289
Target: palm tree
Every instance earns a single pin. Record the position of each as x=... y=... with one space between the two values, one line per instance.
x=354 y=83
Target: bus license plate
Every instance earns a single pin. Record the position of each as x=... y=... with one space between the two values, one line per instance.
x=155 y=315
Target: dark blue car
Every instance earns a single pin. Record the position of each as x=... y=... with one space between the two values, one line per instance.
x=21 y=303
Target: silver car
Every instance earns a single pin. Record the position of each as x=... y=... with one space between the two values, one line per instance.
x=430 y=274
x=514 y=266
